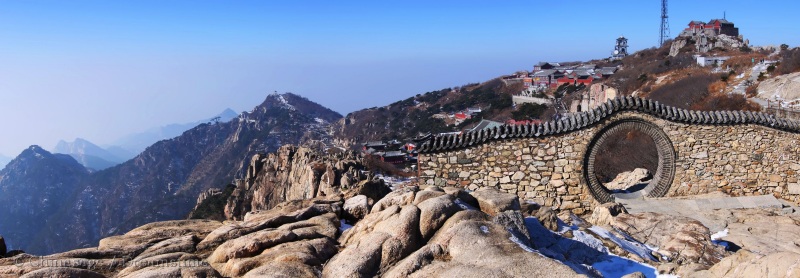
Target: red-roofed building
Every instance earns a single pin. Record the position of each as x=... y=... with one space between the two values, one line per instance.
x=523 y=122
x=713 y=27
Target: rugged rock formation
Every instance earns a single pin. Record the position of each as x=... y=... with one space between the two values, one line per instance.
x=211 y=204
x=605 y=213
x=679 y=239
x=297 y=173
x=747 y=264
x=356 y=207
x=783 y=87
x=626 y=180
x=676 y=46
x=162 y=248
x=437 y=237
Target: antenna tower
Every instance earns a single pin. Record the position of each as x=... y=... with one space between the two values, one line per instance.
x=664 y=35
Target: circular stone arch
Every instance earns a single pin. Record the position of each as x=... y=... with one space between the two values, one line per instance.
x=662 y=179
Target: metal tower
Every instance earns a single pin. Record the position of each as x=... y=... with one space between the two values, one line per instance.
x=664 y=24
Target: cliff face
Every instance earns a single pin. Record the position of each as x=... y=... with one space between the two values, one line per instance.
x=294 y=173
x=163 y=182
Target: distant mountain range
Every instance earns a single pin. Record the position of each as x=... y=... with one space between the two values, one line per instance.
x=87 y=154
x=51 y=203
x=134 y=144
x=96 y=158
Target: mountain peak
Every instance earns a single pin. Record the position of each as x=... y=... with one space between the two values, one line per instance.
x=37 y=149
x=293 y=102
x=226 y=115
x=281 y=100
x=35 y=152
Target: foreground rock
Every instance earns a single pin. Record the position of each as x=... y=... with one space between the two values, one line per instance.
x=408 y=235
x=680 y=240
x=626 y=180
x=747 y=264
x=763 y=231
x=156 y=248
x=493 y=201
x=292 y=240
x=477 y=249
x=356 y=208
x=604 y=214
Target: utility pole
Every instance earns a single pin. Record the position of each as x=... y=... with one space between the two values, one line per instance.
x=664 y=35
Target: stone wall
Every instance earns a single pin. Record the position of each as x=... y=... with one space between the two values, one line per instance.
x=740 y=153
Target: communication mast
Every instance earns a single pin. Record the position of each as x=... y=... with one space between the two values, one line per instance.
x=664 y=24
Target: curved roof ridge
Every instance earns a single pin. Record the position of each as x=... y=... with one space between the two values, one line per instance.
x=578 y=121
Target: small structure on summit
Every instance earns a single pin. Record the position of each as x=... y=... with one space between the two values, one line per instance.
x=621 y=49
x=717 y=33
x=713 y=28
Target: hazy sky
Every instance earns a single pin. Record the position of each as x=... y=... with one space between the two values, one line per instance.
x=103 y=69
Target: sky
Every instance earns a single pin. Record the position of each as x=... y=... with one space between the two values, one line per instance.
x=100 y=70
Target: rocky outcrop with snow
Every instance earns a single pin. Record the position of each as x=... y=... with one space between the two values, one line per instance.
x=783 y=87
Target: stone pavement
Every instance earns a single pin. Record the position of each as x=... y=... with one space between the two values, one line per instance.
x=692 y=207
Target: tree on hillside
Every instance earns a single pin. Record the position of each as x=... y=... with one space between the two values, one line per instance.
x=529 y=111
x=685 y=92
x=790 y=61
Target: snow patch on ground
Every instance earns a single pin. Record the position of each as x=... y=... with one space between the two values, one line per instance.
x=319 y=121
x=285 y=103
x=719 y=234
x=716 y=239
x=585 y=253
x=616 y=266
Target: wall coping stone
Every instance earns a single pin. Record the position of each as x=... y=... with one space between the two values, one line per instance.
x=577 y=121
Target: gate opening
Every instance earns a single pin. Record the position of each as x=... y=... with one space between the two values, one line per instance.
x=622 y=146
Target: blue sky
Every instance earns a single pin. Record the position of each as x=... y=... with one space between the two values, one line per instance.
x=102 y=69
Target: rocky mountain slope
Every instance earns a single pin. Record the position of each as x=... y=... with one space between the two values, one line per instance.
x=782 y=88
x=34 y=186
x=164 y=181
x=88 y=154
x=408 y=118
